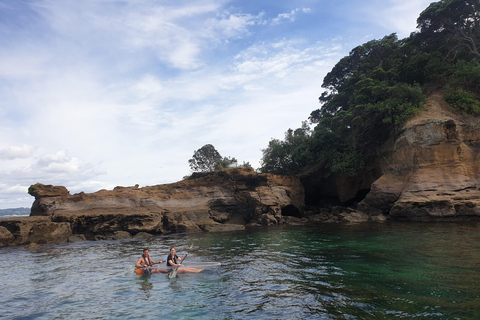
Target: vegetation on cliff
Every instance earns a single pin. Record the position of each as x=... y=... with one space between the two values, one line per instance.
x=380 y=85
x=207 y=159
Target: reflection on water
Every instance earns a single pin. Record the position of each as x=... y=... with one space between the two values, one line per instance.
x=145 y=284
x=385 y=271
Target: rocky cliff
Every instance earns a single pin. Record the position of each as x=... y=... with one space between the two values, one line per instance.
x=433 y=170
x=220 y=201
x=428 y=171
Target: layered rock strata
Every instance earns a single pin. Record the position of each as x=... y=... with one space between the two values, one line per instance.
x=220 y=201
x=434 y=169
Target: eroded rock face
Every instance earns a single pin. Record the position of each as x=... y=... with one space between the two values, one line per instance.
x=18 y=231
x=434 y=169
x=220 y=201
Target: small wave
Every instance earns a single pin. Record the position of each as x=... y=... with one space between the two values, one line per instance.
x=14 y=216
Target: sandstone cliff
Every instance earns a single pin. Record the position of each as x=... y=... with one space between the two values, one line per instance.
x=428 y=171
x=432 y=173
x=221 y=201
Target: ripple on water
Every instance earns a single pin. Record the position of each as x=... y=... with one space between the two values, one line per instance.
x=340 y=272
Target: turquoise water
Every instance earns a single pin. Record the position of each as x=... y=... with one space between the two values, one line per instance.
x=381 y=271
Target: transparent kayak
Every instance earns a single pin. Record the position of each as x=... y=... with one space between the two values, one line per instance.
x=200 y=264
x=192 y=264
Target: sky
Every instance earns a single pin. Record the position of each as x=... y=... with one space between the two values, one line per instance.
x=102 y=93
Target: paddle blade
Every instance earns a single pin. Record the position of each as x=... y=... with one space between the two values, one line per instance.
x=173 y=274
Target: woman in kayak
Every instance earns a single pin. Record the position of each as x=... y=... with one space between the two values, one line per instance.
x=173 y=261
x=144 y=264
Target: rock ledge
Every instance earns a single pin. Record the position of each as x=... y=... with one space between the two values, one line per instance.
x=211 y=202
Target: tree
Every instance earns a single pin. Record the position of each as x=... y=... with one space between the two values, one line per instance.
x=290 y=155
x=226 y=162
x=246 y=165
x=456 y=21
x=363 y=61
x=205 y=159
x=367 y=96
x=374 y=90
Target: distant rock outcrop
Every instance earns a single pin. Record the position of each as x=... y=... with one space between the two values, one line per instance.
x=219 y=201
x=434 y=169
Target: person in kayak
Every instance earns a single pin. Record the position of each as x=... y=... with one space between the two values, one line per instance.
x=174 y=261
x=144 y=264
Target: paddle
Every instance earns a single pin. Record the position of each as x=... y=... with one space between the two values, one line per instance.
x=146 y=268
x=173 y=274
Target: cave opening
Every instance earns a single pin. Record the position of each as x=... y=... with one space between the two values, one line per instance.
x=314 y=197
x=361 y=194
x=291 y=211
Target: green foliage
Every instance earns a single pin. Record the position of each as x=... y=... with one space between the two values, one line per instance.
x=464 y=101
x=373 y=61
x=452 y=27
x=289 y=155
x=245 y=165
x=345 y=162
x=32 y=189
x=466 y=75
x=380 y=85
x=205 y=159
x=225 y=162
x=397 y=103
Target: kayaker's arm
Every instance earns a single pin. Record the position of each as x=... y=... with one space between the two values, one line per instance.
x=140 y=263
x=172 y=264
x=181 y=259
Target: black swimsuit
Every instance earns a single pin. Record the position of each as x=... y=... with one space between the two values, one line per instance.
x=174 y=259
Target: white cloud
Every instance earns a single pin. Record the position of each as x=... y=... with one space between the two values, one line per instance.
x=228 y=25
x=290 y=16
x=59 y=163
x=13 y=189
x=15 y=152
x=398 y=16
x=149 y=87
x=21 y=63
x=279 y=60
x=58 y=169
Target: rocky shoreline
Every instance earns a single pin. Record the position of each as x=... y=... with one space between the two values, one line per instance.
x=212 y=202
x=428 y=171
x=223 y=201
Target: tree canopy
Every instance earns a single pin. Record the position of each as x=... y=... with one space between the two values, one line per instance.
x=453 y=21
x=207 y=159
x=380 y=85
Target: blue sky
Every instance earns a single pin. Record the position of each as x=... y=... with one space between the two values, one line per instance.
x=100 y=93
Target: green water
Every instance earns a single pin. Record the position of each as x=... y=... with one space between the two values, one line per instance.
x=379 y=271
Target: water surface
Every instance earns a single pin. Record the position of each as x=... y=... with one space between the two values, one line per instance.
x=379 y=271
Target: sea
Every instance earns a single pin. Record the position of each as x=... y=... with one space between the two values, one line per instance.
x=328 y=271
x=14 y=213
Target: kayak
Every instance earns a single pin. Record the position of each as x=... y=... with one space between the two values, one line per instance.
x=146 y=270
x=202 y=265
x=196 y=265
